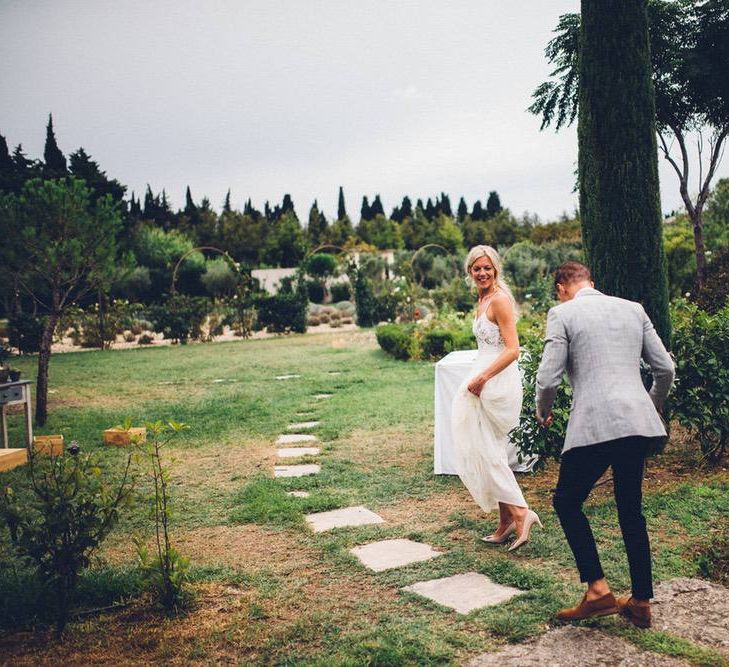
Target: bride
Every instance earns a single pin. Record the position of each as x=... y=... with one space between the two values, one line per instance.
x=488 y=404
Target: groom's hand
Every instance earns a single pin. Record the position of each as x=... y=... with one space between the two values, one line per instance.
x=546 y=422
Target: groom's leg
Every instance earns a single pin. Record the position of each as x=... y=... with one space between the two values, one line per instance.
x=628 y=466
x=581 y=467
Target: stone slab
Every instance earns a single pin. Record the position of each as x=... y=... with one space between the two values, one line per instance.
x=335 y=372
x=291 y=376
x=572 y=646
x=342 y=518
x=297 y=470
x=298 y=494
x=464 y=592
x=302 y=426
x=695 y=609
x=388 y=554
x=322 y=396
x=295 y=438
x=295 y=452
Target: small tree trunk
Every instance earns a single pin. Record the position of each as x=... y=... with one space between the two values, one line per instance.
x=44 y=358
x=700 y=248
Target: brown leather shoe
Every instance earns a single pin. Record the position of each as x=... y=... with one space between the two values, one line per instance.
x=603 y=606
x=638 y=613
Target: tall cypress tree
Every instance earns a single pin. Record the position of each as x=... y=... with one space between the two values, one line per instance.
x=365 y=209
x=462 y=210
x=617 y=164
x=377 y=208
x=341 y=208
x=190 y=207
x=493 y=205
x=7 y=169
x=55 y=162
x=226 y=203
x=406 y=208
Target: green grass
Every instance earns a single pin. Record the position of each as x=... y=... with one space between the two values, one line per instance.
x=390 y=405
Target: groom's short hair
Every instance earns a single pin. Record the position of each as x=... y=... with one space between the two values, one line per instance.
x=571 y=272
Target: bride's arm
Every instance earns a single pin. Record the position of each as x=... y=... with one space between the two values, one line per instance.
x=504 y=316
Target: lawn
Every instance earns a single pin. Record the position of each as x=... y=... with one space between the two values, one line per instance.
x=268 y=590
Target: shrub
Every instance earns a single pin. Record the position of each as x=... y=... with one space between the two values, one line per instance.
x=59 y=517
x=395 y=339
x=715 y=292
x=340 y=291
x=219 y=278
x=129 y=337
x=25 y=332
x=344 y=306
x=315 y=291
x=145 y=339
x=313 y=321
x=181 y=317
x=364 y=298
x=282 y=313
x=436 y=343
x=528 y=436
x=699 y=399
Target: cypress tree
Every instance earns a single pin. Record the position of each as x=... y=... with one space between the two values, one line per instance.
x=493 y=205
x=406 y=208
x=190 y=207
x=462 y=210
x=226 y=203
x=429 y=209
x=365 y=209
x=617 y=163
x=376 y=208
x=445 y=205
x=7 y=169
x=341 y=208
x=55 y=162
x=478 y=213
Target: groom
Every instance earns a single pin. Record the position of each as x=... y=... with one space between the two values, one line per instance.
x=599 y=341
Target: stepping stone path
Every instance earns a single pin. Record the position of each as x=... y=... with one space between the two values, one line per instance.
x=320 y=397
x=287 y=377
x=298 y=494
x=294 y=438
x=302 y=426
x=297 y=470
x=388 y=554
x=295 y=452
x=464 y=592
x=342 y=518
x=572 y=646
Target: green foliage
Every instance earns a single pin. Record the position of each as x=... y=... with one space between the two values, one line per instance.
x=396 y=339
x=528 y=436
x=166 y=571
x=699 y=398
x=219 y=279
x=25 y=332
x=364 y=297
x=678 y=244
x=58 y=517
x=458 y=294
x=715 y=293
x=340 y=291
x=321 y=265
x=282 y=313
x=181 y=317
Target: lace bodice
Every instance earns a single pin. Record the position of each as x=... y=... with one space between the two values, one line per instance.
x=488 y=334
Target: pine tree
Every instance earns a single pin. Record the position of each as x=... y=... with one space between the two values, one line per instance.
x=365 y=212
x=226 y=203
x=493 y=205
x=341 y=208
x=55 y=162
x=82 y=166
x=617 y=162
x=462 y=210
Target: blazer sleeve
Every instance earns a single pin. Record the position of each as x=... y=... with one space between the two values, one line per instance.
x=553 y=364
x=657 y=357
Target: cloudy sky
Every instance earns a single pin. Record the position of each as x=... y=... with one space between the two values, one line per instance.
x=272 y=96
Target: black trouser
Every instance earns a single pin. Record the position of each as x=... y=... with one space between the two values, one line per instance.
x=581 y=467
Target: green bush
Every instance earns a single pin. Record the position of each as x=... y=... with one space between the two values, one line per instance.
x=364 y=297
x=699 y=399
x=25 y=332
x=436 y=343
x=181 y=317
x=315 y=291
x=528 y=436
x=282 y=313
x=715 y=292
x=57 y=515
x=395 y=339
x=340 y=292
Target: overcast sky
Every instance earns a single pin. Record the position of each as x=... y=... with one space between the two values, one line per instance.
x=274 y=96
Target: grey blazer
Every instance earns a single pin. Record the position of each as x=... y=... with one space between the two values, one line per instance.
x=599 y=340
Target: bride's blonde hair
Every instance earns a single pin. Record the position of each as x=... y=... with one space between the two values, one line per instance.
x=479 y=251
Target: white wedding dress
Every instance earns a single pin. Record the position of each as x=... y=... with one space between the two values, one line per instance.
x=481 y=425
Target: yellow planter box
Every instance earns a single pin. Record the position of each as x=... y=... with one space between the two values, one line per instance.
x=11 y=458
x=122 y=437
x=51 y=445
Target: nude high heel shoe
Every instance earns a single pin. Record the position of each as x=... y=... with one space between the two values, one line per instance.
x=530 y=519
x=504 y=536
